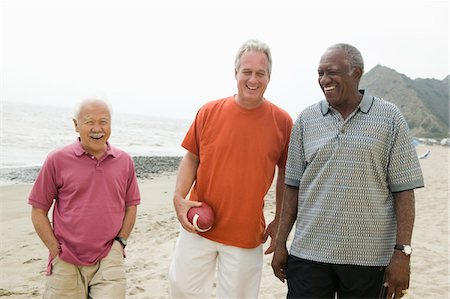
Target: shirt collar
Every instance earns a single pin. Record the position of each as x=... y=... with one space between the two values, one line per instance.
x=364 y=106
x=79 y=150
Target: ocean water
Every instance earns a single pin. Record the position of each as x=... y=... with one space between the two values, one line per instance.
x=30 y=131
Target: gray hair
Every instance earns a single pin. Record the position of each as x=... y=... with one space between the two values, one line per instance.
x=255 y=46
x=353 y=55
x=86 y=101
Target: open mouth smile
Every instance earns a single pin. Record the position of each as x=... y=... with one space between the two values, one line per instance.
x=96 y=136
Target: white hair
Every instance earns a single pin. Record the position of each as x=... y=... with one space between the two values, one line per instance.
x=255 y=46
x=91 y=100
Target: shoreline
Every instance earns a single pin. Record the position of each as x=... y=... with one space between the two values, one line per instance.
x=146 y=167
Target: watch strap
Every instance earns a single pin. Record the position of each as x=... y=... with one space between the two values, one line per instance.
x=405 y=248
x=122 y=241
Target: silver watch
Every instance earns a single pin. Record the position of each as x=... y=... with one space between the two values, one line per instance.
x=406 y=249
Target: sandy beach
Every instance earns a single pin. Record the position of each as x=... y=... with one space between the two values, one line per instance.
x=23 y=256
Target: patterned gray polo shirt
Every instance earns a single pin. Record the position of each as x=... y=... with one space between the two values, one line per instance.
x=346 y=171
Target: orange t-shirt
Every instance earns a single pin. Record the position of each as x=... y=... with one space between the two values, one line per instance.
x=238 y=150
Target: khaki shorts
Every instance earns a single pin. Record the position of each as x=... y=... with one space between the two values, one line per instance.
x=105 y=279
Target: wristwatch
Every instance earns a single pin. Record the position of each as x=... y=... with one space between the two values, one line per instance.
x=122 y=241
x=406 y=249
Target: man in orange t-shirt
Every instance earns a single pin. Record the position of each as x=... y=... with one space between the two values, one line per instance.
x=233 y=148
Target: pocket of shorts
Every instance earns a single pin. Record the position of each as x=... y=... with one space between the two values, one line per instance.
x=113 y=274
x=64 y=275
x=63 y=267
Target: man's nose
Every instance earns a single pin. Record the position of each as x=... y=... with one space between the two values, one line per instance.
x=252 y=77
x=324 y=78
x=96 y=127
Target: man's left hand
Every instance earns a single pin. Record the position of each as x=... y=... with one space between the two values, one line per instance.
x=397 y=275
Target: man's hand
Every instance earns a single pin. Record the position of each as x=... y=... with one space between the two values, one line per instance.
x=182 y=206
x=397 y=275
x=271 y=231
x=279 y=262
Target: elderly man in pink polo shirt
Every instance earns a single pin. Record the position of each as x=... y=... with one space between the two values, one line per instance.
x=94 y=190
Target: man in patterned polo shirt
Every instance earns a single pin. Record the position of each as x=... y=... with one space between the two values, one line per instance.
x=350 y=177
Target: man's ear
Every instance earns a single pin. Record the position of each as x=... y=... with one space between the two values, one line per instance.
x=75 y=124
x=357 y=73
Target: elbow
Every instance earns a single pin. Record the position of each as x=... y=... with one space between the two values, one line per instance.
x=38 y=215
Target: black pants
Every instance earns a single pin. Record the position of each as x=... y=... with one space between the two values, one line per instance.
x=308 y=279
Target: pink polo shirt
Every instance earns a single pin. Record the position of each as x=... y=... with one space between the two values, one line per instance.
x=90 y=198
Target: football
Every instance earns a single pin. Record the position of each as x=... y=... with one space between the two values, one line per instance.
x=202 y=218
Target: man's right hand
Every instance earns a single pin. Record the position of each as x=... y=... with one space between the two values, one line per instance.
x=182 y=207
x=279 y=262
x=54 y=252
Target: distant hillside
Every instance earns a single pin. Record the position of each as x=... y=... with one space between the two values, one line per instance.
x=423 y=102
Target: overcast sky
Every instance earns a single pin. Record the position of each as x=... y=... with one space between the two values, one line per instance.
x=168 y=58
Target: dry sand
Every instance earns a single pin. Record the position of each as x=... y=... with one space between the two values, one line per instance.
x=23 y=256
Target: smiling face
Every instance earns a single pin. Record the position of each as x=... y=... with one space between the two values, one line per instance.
x=252 y=79
x=338 y=81
x=93 y=124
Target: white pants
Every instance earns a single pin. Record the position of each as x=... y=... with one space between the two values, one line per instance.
x=193 y=266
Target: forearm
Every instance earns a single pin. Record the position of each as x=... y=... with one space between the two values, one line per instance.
x=279 y=193
x=186 y=175
x=404 y=205
x=44 y=230
x=288 y=214
x=128 y=222
x=398 y=271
